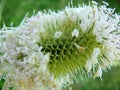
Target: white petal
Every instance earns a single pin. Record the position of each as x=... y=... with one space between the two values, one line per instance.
x=75 y=33
x=95 y=54
x=98 y=73
x=88 y=65
x=58 y=34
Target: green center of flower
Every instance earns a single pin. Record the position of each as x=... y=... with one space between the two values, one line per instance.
x=68 y=54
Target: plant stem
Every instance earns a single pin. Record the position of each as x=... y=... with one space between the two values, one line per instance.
x=2 y=4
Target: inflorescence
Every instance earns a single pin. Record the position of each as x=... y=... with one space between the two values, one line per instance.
x=54 y=49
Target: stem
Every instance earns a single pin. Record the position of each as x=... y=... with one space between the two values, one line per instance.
x=2 y=4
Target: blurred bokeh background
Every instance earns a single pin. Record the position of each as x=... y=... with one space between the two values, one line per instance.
x=15 y=10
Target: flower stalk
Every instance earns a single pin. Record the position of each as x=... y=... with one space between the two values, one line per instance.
x=2 y=4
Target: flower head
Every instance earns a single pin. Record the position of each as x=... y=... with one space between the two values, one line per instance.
x=50 y=50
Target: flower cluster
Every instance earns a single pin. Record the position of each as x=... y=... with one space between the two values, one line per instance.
x=50 y=50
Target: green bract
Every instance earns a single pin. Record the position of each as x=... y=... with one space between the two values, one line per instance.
x=68 y=54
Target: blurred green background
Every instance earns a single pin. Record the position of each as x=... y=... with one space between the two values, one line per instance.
x=15 y=10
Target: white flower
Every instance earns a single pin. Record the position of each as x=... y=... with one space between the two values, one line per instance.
x=45 y=62
x=75 y=33
x=88 y=66
x=58 y=34
x=94 y=56
x=98 y=73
